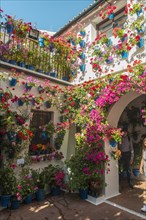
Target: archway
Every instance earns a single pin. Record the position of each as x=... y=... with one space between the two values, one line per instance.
x=112 y=179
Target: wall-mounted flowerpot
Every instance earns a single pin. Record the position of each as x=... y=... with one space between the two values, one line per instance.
x=51 y=47
x=21 y=64
x=138 y=12
x=140 y=30
x=109 y=61
x=111 y=16
x=44 y=135
x=140 y=44
x=53 y=74
x=40 y=195
x=48 y=104
x=113 y=143
x=124 y=54
x=41 y=42
x=12 y=62
x=83 y=193
x=5 y=200
x=41 y=89
x=82 y=67
x=82 y=44
x=83 y=33
x=9 y=28
x=109 y=43
x=82 y=56
x=20 y=102
x=27 y=87
x=30 y=67
x=123 y=39
x=13 y=82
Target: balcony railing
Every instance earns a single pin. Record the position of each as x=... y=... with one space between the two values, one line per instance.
x=26 y=52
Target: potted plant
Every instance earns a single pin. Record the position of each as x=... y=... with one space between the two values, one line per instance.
x=138 y=25
x=55 y=177
x=8 y=184
x=39 y=177
x=135 y=8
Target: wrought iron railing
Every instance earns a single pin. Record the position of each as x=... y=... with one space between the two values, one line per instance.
x=27 y=53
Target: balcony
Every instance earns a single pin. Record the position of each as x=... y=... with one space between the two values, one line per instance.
x=52 y=56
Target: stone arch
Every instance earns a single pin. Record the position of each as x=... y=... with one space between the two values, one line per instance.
x=112 y=178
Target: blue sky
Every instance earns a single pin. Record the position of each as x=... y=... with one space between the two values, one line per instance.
x=47 y=14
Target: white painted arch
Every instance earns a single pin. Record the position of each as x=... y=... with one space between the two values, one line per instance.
x=112 y=178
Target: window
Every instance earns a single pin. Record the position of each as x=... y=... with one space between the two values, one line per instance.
x=107 y=25
x=42 y=140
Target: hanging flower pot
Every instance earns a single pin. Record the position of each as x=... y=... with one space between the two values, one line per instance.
x=113 y=143
x=41 y=42
x=140 y=44
x=109 y=43
x=108 y=61
x=82 y=33
x=13 y=82
x=9 y=28
x=82 y=67
x=82 y=43
x=124 y=54
x=138 y=12
x=111 y=16
x=82 y=56
x=44 y=135
x=48 y=104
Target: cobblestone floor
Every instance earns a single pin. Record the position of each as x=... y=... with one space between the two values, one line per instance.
x=71 y=207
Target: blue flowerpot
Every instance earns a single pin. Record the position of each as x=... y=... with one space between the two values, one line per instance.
x=53 y=74
x=141 y=30
x=27 y=88
x=82 y=56
x=138 y=12
x=20 y=102
x=83 y=193
x=108 y=61
x=41 y=42
x=136 y=172
x=13 y=82
x=40 y=195
x=30 y=67
x=9 y=28
x=140 y=44
x=123 y=39
x=55 y=191
x=111 y=16
x=48 y=104
x=65 y=78
x=124 y=54
x=12 y=62
x=109 y=43
x=82 y=43
x=44 y=135
x=39 y=71
x=113 y=143
x=15 y=204
x=82 y=67
x=28 y=199
x=82 y=33
x=21 y=64
x=5 y=200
